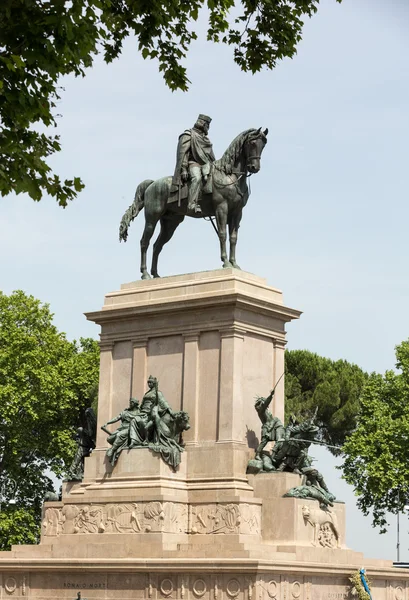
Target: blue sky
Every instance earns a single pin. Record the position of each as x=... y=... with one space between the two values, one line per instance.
x=334 y=184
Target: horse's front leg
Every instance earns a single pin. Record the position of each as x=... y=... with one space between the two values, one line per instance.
x=221 y=220
x=234 y=224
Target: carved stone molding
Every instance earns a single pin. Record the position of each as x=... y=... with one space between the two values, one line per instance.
x=284 y=588
x=199 y=588
x=166 y=587
x=10 y=585
x=398 y=593
x=15 y=584
x=191 y=585
x=296 y=589
x=233 y=588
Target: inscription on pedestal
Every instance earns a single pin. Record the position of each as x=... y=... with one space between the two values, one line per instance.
x=83 y=585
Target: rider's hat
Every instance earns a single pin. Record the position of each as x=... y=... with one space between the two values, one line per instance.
x=204 y=118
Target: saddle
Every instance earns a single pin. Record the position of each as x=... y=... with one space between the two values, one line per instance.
x=183 y=193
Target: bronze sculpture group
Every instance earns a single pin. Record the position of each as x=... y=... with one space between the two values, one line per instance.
x=289 y=453
x=152 y=424
x=85 y=437
x=200 y=187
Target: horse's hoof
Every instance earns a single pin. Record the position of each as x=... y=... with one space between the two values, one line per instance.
x=145 y=275
x=235 y=266
x=155 y=275
x=227 y=265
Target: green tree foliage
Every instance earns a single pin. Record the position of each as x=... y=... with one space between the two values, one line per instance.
x=42 y=40
x=333 y=387
x=46 y=382
x=376 y=453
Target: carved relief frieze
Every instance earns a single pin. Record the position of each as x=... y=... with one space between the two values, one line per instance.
x=170 y=517
x=90 y=519
x=326 y=532
x=214 y=518
x=69 y=514
x=224 y=518
x=52 y=521
x=153 y=517
x=250 y=515
x=131 y=517
x=123 y=518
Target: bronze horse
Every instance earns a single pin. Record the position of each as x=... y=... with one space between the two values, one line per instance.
x=226 y=201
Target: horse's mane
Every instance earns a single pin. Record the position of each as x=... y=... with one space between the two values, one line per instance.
x=233 y=151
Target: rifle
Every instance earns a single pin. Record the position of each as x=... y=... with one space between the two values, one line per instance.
x=274 y=388
x=315 y=442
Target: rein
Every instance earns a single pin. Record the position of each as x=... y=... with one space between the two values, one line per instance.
x=240 y=175
x=231 y=182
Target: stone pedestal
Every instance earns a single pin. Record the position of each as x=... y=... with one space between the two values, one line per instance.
x=141 y=530
x=215 y=340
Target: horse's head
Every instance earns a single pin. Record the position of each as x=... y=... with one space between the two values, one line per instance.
x=253 y=149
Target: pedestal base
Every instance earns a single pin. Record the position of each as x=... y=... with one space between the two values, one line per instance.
x=208 y=530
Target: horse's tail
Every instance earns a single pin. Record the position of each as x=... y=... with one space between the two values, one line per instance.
x=134 y=210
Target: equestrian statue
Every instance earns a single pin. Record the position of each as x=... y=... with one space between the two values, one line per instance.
x=201 y=187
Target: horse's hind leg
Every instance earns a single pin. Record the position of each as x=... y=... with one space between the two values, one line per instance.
x=168 y=225
x=150 y=224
